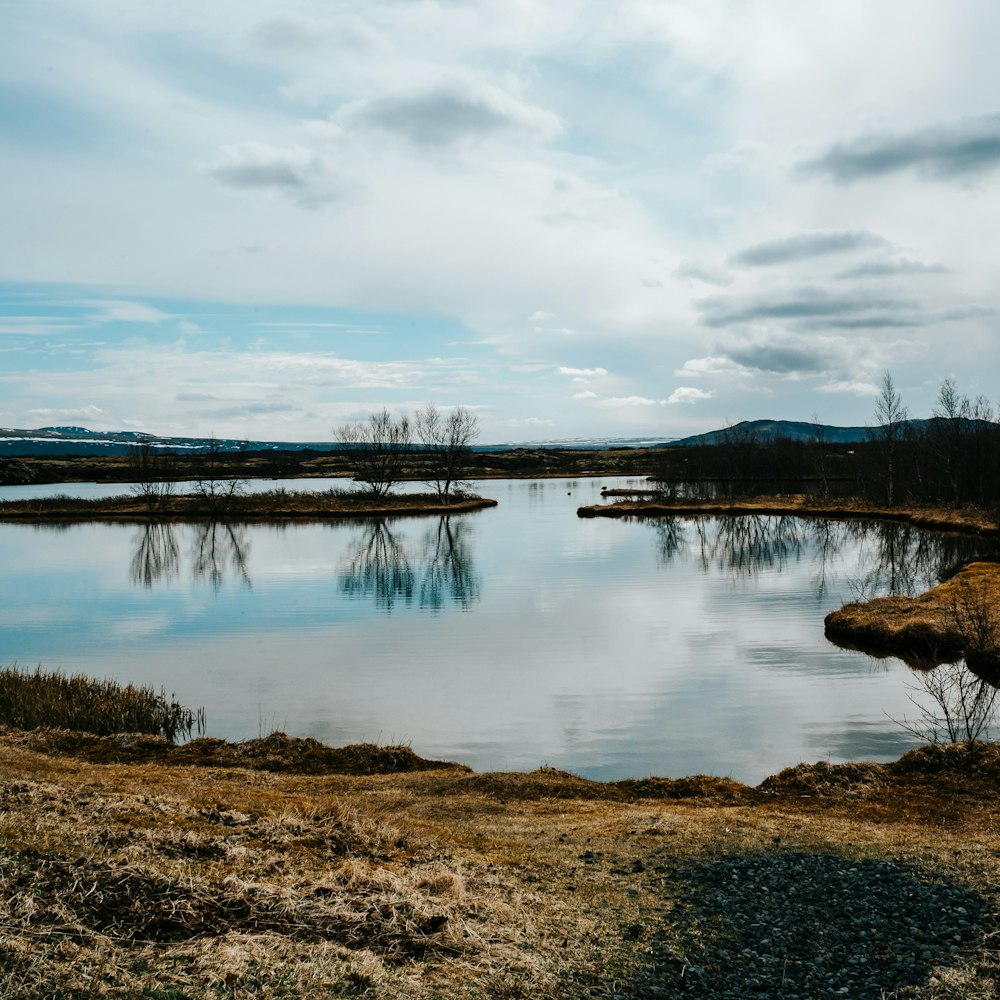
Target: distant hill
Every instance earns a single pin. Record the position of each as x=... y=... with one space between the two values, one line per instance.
x=80 y=441
x=793 y=430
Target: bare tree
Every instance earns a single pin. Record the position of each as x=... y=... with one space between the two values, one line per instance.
x=891 y=420
x=216 y=486
x=152 y=472
x=447 y=441
x=962 y=706
x=379 y=446
x=962 y=696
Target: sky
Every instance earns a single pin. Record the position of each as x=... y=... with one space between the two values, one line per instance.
x=574 y=218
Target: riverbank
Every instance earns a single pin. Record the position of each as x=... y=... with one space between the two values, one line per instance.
x=965 y=520
x=275 y=505
x=174 y=880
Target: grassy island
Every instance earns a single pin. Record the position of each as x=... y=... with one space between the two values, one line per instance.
x=279 y=868
x=929 y=517
x=959 y=618
x=276 y=505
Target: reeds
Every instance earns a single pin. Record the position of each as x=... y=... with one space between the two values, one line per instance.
x=102 y=707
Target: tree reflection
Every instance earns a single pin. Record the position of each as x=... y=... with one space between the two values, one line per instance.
x=670 y=538
x=377 y=565
x=220 y=548
x=448 y=572
x=900 y=560
x=746 y=545
x=894 y=559
x=380 y=565
x=155 y=555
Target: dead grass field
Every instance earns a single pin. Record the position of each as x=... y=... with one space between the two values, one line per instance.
x=209 y=879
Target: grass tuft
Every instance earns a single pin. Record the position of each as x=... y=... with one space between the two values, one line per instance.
x=84 y=704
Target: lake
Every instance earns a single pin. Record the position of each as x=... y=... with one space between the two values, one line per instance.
x=507 y=639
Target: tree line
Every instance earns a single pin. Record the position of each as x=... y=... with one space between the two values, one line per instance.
x=952 y=457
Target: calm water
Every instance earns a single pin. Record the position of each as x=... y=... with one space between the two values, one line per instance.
x=506 y=639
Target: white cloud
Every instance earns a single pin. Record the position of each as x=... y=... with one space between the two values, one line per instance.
x=688 y=394
x=615 y=402
x=583 y=372
x=120 y=311
x=586 y=394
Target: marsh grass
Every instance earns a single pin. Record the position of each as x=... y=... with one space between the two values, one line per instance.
x=102 y=707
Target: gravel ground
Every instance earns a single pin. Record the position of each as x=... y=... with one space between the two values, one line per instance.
x=803 y=927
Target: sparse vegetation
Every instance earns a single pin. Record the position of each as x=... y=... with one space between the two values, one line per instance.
x=48 y=698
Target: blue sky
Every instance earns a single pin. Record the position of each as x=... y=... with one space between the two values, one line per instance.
x=260 y=220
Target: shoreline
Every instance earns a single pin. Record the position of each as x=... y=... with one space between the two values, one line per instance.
x=963 y=520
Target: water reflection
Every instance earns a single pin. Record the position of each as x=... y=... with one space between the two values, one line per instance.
x=377 y=566
x=449 y=573
x=895 y=559
x=381 y=565
x=155 y=555
x=219 y=550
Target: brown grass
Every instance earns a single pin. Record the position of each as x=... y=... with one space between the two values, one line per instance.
x=958 y=618
x=934 y=518
x=168 y=881
x=49 y=698
x=277 y=505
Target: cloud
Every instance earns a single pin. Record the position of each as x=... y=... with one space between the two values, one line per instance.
x=529 y=422
x=780 y=359
x=944 y=152
x=288 y=34
x=119 y=311
x=452 y=112
x=586 y=394
x=856 y=309
x=294 y=171
x=891 y=268
x=711 y=274
x=805 y=246
x=88 y=412
x=619 y=401
x=583 y=372
x=853 y=387
x=34 y=326
x=540 y=316
x=712 y=365
x=687 y=394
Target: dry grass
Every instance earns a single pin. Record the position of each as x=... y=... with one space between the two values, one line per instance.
x=276 y=505
x=77 y=702
x=933 y=518
x=958 y=618
x=173 y=881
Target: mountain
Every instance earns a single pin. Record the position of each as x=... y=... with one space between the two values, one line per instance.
x=794 y=430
